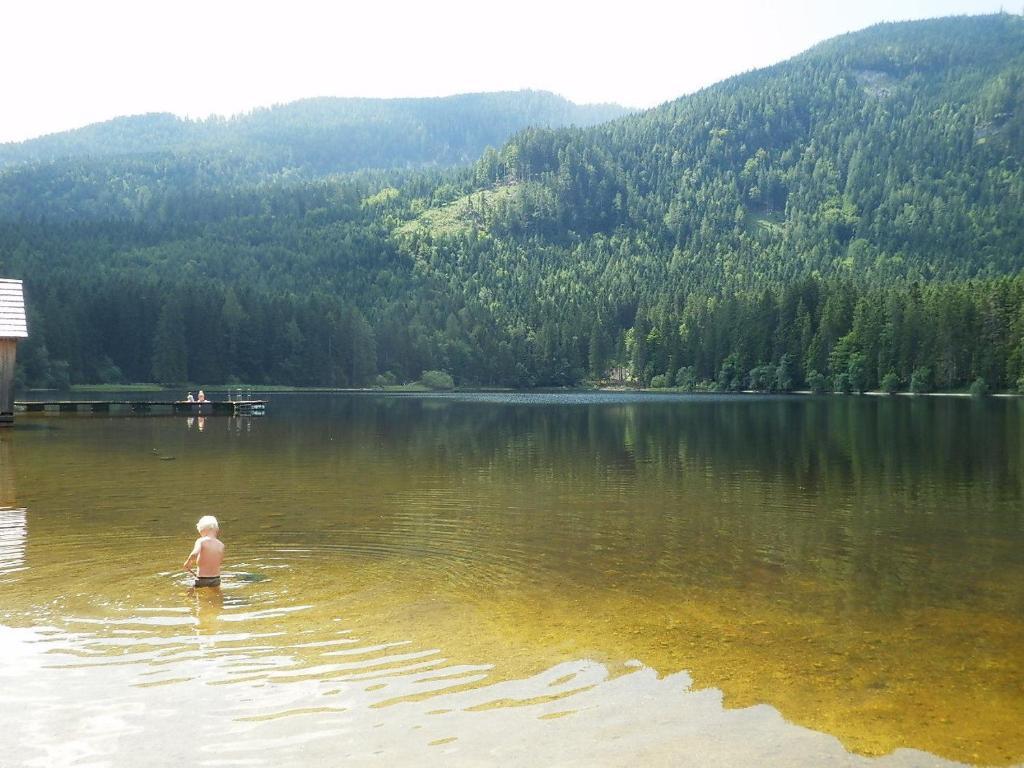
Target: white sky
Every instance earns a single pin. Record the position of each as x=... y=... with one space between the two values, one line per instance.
x=69 y=63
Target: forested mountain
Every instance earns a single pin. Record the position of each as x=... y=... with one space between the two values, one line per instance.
x=117 y=168
x=855 y=214
x=316 y=136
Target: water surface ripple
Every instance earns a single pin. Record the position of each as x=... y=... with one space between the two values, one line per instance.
x=571 y=579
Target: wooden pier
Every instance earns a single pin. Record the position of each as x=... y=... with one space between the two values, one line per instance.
x=176 y=407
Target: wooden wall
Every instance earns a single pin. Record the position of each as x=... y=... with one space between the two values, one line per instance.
x=7 y=352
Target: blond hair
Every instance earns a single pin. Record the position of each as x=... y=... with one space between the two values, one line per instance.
x=206 y=522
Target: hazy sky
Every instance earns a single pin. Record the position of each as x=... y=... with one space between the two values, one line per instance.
x=67 y=64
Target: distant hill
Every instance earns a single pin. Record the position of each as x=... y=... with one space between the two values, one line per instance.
x=325 y=135
x=850 y=216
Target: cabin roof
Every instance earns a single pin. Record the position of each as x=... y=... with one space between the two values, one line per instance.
x=12 y=310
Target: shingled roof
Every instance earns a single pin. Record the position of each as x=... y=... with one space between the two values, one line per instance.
x=12 y=310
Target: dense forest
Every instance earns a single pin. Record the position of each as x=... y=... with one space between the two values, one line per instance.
x=852 y=218
x=327 y=135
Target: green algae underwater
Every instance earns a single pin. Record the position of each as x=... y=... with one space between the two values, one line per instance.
x=843 y=576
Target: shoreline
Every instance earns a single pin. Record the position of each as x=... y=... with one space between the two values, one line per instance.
x=803 y=392
x=417 y=388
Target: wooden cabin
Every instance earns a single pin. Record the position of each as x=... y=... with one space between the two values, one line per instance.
x=12 y=328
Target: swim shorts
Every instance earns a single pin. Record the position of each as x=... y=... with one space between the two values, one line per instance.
x=207 y=581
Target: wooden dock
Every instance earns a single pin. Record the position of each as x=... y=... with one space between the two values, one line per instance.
x=176 y=407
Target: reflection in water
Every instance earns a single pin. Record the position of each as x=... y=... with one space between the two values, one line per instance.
x=13 y=533
x=13 y=526
x=208 y=605
x=854 y=563
x=8 y=497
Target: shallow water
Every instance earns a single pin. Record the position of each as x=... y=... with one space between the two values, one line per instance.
x=513 y=579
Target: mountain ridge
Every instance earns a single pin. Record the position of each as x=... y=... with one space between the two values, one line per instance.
x=157 y=132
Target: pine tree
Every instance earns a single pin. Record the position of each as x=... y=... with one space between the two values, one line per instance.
x=170 y=352
x=596 y=357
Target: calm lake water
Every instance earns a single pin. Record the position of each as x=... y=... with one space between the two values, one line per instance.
x=519 y=580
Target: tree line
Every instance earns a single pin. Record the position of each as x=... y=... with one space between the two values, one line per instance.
x=815 y=334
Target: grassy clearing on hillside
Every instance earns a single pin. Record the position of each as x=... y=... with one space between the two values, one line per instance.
x=458 y=216
x=764 y=223
x=117 y=388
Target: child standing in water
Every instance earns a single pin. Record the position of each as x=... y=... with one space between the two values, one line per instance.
x=207 y=555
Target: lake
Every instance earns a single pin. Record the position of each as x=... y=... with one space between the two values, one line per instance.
x=519 y=579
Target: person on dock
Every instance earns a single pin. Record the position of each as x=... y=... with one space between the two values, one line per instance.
x=201 y=397
x=207 y=554
x=190 y=399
